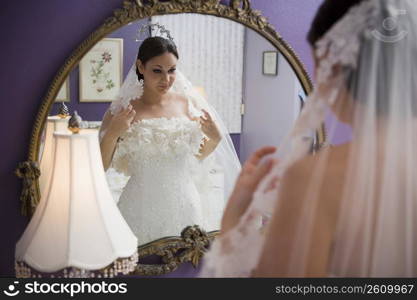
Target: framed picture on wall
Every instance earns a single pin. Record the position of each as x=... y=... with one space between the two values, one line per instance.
x=270 y=63
x=64 y=92
x=101 y=71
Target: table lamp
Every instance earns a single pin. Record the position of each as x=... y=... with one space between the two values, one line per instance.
x=77 y=229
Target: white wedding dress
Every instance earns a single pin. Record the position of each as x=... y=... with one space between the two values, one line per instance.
x=160 y=198
x=155 y=177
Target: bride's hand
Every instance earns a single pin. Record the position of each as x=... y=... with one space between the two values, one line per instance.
x=121 y=121
x=209 y=127
x=251 y=175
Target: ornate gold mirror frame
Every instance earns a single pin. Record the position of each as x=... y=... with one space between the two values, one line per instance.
x=193 y=241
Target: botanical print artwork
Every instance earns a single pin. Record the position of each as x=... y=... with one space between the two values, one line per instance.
x=101 y=71
x=100 y=78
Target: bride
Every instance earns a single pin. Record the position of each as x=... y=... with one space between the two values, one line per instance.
x=349 y=210
x=163 y=135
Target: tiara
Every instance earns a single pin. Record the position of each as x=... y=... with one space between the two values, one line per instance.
x=155 y=29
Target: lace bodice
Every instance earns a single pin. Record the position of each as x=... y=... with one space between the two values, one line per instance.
x=160 y=197
x=157 y=142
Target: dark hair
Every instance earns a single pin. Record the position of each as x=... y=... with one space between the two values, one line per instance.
x=327 y=15
x=330 y=12
x=154 y=46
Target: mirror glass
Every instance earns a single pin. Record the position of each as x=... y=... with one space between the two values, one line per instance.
x=242 y=75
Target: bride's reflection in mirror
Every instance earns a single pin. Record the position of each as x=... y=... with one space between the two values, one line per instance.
x=160 y=134
x=169 y=157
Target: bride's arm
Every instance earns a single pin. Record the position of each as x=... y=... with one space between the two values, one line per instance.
x=210 y=129
x=108 y=141
x=286 y=243
x=208 y=146
x=280 y=233
x=253 y=171
x=111 y=129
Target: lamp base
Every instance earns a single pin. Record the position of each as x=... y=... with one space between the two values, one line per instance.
x=124 y=265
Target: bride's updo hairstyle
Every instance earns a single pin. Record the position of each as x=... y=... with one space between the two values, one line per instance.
x=154 y=46
x=327 y=15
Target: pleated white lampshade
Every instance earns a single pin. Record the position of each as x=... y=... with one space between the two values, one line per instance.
x=47 y=151
x=77 y=228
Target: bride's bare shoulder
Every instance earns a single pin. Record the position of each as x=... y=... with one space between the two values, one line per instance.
x=180 y=101
x=178 y=97
x=331 y=161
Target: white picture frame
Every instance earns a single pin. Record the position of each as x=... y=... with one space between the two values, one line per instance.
x=270 y=63
x=101 y=71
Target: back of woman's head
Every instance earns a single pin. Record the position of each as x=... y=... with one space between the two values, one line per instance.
x=379 y=60
x=329 y=13
x=154 y=46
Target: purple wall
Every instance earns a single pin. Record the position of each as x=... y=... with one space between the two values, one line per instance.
x=37 y=37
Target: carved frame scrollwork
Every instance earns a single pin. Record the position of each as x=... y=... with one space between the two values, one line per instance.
x=190 y=246
x=175 y=250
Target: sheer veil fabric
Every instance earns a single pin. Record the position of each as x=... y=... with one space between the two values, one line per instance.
x=366 y=75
